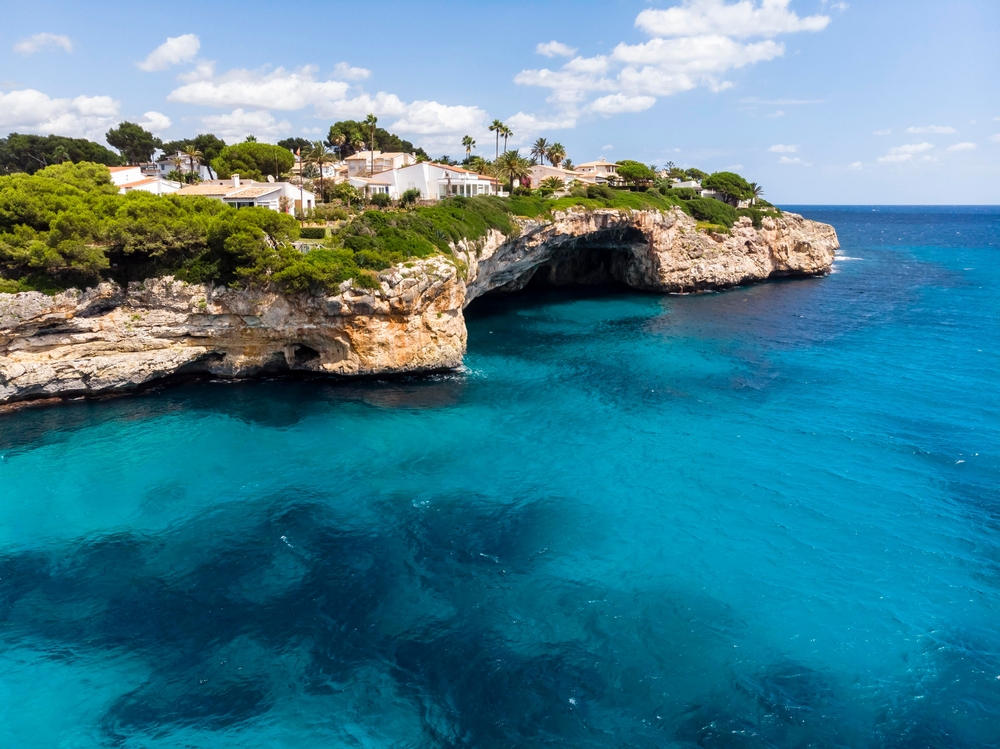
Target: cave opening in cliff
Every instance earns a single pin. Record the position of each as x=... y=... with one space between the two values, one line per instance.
x=595 y=264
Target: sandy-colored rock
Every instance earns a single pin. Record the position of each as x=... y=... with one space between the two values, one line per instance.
x=112 y=339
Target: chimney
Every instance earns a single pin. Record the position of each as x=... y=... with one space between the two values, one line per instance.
x=236 y=180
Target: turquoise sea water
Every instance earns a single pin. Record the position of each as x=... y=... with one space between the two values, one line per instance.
x=768 y=517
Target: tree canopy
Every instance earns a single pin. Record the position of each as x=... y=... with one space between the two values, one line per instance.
x=730 y=184
x=210 y=146
x=295 y=144
x=135 y=144
x=347 y=135
x=635 y=173
x=253 y=161
x=695 y=174
x=67 y=225
x=29 y=153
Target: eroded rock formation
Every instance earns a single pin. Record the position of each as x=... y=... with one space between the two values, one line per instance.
x=111 y=339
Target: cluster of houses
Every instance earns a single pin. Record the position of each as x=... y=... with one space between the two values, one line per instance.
x=371 y=172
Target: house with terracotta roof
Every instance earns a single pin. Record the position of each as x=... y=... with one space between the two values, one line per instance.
x=541 y=172
x=601 y=171
x=434 y=181
x=275 y=196
x=122 y=175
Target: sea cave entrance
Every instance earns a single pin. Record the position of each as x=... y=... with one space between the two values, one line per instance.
x=596 y=263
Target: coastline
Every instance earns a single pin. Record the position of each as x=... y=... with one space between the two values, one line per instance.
x=113 y=340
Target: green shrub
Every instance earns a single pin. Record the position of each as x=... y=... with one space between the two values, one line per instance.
x=312 y=232
x=713 y=211
x=595 y=192
x=578 y=192
x=380 y=199
x=684 y=193
x=410 y=197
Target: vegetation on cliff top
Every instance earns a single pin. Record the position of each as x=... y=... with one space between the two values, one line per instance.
x=67 y=225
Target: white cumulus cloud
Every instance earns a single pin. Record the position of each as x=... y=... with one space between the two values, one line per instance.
x=857 y=166
x=348 y=73
x=932 y=130
x=28 y=110
x=278 y=89
x=784 y=149
x=743 y=19
x=155 y=122
x=238 y=124
x=995 y=138
x=692 y=45
x=962 y=147
x=883 y=132
x=792 y=160
x=175 y=50
x=254 y=94
x=555 y=49
x=618 y=103
x=33 y=44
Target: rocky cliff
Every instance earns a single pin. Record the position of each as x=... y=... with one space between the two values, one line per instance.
x=111 y=339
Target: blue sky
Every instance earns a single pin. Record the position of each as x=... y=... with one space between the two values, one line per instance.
x=822 y=101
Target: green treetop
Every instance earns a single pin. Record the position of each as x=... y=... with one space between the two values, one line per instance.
x=135 y=144
x=253 y=161
x=635 y=173
x=29 y=153
x=732 y=185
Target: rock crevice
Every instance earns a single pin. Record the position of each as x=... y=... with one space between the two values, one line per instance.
x=112 y=339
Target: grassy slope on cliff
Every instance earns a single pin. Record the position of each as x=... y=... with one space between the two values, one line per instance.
x=68 y=226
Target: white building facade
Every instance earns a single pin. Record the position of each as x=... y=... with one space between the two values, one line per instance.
x=434 y=181
x=275 y=196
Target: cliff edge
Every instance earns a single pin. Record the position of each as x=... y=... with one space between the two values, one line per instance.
x=114 y=339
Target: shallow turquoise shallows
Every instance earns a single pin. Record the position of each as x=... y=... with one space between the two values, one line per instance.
x=768 y=517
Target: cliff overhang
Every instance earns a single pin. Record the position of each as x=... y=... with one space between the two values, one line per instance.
x=112 y=339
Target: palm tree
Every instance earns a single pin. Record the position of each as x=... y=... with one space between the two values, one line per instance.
x=338 y=142
x=370 y=122
x=506 y=133
x=540 y=150
x=320 y=155
x=670 y=166
x=251 y=139
x=469 y=144
x=496 y=127
x=178 y=162
x=556 y=154
x=193 y=155
x=511 y=166
x=756 y=191
x=552 y=183
x=568 y=165
x=480 y=165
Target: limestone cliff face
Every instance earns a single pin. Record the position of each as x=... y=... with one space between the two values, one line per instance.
x=112 y=339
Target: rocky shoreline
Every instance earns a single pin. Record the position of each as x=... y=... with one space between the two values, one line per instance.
x=112 y=339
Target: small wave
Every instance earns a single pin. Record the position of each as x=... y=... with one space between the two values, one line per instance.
x=838 y=258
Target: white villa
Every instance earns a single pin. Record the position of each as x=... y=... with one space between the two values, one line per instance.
x=368 y=164
x=131 y=178
x=181 y=163
x=251 y=194
x=434 y=181
x=600 y=171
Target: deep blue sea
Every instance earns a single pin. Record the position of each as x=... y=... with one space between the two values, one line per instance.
x=768 y=517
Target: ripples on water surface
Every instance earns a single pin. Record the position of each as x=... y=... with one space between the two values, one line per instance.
x=763 y=518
